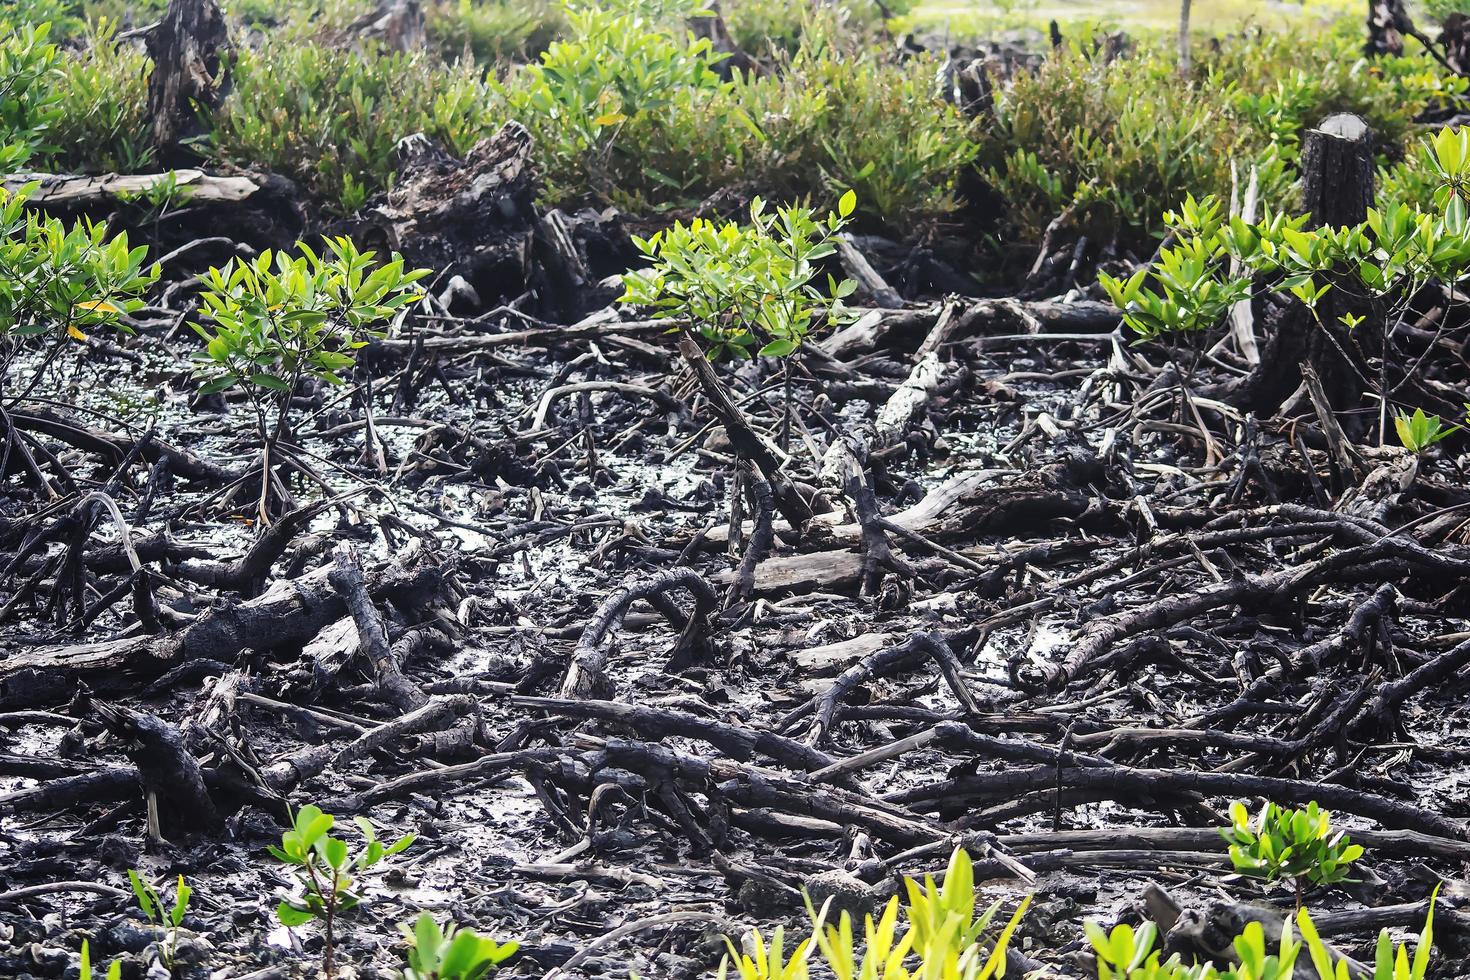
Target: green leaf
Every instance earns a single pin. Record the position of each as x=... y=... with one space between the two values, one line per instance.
x=142 y=891
x=292 y=916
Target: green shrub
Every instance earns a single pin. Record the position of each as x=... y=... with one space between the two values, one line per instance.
x=1120 y=143
x=614 y=70
x=102 y=102
x=887 y=136
x=27 y=97
x=330 y=118
x=57 y=282
x=279 y=320
x=1298 y=844
x=326 y=871
x=491 y=31
x=747 y=290
x=1129 y=954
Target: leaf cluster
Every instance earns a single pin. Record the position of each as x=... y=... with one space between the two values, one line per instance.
x=281 y=317
x=1128 y=954
x=27 y=97
x=325 y=867
x=57 y=281
x=1298 y=843
x=747 y=289
x=451 y=953
x=944 y=938
x=1215 y=261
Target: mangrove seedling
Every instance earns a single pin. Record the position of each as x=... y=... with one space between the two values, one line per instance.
x=169 y=918
x=114 y=972
x=57 y=283
x=745 y=290
x=1418 y=432
x=281 y=319
x=451 y=953
x=1298 y=844
x=326 y=872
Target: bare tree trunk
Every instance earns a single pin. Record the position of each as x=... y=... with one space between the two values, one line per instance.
x=1184 y=59
x=190 y=49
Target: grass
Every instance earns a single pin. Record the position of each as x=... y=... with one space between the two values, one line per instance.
x=975 y=17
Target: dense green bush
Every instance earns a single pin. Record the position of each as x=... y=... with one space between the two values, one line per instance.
x=27 y=97
x=490 y=31
x=102 y=103
x=1121 y=143
x=330 y=118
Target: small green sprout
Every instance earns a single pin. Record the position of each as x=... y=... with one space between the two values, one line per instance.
x=1418 y=432
x=169 y=919
x=114 y=972
x=1297 y=844
x=326 y=871
x=451 y=953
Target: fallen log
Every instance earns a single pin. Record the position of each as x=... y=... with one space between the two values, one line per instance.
x=82 y=190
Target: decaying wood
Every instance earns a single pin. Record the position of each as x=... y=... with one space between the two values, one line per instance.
x=747 y=442
x=1337 y=171
x=195 y=185
x=191 y=51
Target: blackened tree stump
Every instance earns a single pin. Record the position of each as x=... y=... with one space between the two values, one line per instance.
x=1388 y=22
x=190 y=48
x=1337 y=171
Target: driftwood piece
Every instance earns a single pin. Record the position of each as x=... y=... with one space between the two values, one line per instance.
x=191 y=49
x=870 y=283
x=976 y=317
x=347 y=579
x=907 y=403
x=289 y=613
x=196 y=185
x=179 y=803
x=472 y=218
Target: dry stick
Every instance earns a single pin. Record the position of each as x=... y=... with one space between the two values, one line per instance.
x=1360 y=622
x=957 y=736
x=1395 y=843
x=348 y=581
x=1388 y=558
x=735 y=741
x=747 y=442
x=878 y=554
x=664 y=400
x=761 y=538
x=917 y=648
x=436 y=715
x=60 y=887
x=589 y=659
x=1129 y=783
x=1394 y=693
x=629 y=929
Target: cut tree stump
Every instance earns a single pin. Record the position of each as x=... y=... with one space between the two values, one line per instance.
x=190 y=48
x=1337 y=171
